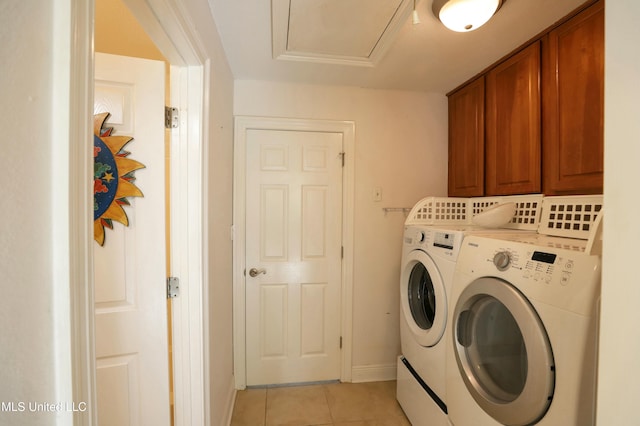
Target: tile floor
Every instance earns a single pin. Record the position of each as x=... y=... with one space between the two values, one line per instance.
x=339 y=404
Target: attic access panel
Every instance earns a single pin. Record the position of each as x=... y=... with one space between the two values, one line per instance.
x=347 y=32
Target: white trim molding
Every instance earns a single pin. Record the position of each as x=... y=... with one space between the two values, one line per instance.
x=189 y=311
x=242 y=125
x=374 y=373
x=74 y=76
x=230 y=403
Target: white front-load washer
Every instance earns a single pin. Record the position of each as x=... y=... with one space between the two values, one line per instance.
x=428 y=262
x=522 y=341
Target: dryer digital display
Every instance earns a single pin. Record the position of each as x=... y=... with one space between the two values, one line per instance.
x=543 y=257
x=444 y=240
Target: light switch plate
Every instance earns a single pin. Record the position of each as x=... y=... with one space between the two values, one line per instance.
x=377 y=194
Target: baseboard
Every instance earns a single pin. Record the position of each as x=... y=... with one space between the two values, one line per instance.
x=373 y=373
x=230 y=402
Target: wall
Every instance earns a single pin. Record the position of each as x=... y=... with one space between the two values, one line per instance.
x=401 y=148
x=43 y=236
x=619 y=370
x=117 y=32
x=34 y=309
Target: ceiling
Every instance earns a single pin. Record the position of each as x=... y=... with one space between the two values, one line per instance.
x=370 y=43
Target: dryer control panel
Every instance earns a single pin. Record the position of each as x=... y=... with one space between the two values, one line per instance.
x=545 y=271
x=536 y=265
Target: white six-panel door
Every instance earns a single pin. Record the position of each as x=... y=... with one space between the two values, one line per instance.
x=293 y=241
x=130 y=297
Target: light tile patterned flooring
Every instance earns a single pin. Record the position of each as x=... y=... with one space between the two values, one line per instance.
x=339 y=404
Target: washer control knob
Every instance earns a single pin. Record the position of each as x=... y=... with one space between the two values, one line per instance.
x=502 y=259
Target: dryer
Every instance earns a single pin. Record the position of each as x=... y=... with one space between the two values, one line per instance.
x=522 y=343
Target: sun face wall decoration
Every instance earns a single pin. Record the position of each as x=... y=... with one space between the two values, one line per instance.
x=113 y=178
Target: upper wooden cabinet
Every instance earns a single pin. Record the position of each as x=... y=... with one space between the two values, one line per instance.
x=573 y=104
x=466 y=140
x=513 y=150
x=543 y=110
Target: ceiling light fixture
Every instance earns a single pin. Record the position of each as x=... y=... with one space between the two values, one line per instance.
x=465 y=15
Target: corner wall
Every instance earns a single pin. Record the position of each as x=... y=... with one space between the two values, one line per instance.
x=618 y=386
x=35 y=230
x=401 y=148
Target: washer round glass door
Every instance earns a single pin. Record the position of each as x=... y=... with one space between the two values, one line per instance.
x=423 y=298
x=503 y=352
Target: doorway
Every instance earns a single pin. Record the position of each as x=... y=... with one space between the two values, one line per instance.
x=306 y=145
x=132 y=82
x=184 y=69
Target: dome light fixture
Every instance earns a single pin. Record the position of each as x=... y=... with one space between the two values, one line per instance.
x=465 y=15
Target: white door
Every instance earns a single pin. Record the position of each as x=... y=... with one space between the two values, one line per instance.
x=130 y=296
x=293 y=243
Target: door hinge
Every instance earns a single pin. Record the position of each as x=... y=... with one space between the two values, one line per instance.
x=342 y=252
x=171 y=117
x=342 y=154
x=173 y=287
x=340 y=342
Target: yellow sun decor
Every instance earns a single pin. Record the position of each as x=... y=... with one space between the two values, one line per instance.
x=112 y=177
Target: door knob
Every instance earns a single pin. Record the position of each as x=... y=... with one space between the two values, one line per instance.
x=253 y=272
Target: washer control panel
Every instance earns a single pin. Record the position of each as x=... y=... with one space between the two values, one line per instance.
x=437 y=242
x=444 y=240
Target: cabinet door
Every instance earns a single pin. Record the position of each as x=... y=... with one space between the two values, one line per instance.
x=573 y=110
x=513 y=124
x=466 y=140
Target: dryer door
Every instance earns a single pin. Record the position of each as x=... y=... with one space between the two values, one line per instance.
x=503 y=352
x=423 y=298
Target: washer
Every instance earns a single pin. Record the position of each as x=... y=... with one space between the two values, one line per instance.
x=522 y=342
x=428 y=262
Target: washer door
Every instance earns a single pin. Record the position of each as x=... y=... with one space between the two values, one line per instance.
x=503 y=352
x=423 y=298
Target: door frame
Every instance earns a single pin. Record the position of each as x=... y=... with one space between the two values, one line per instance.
x=242 y=125
x=166 y=22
